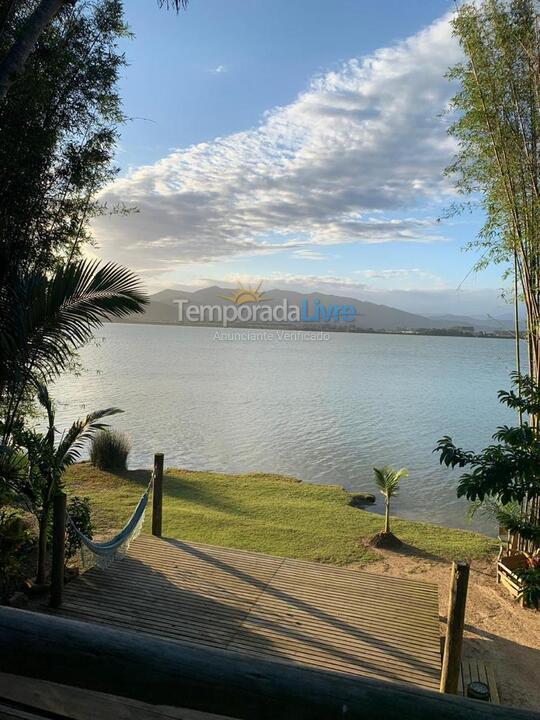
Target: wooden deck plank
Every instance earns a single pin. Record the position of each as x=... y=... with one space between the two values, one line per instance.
x=492 y=683
x=473 y=670
x=296 y=612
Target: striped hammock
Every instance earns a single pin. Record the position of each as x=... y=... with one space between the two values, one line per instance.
x=104 y=554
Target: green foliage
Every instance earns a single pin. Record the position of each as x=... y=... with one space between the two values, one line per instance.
x=47 y=317
x=46 y=462
x=507 y=473
x=58 y=131
x=80 y=513
x=13 y=537
x=497 y=124
x=530 y=585
x=110 y=450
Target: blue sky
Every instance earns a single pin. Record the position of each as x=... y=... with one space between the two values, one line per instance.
x=296 y=142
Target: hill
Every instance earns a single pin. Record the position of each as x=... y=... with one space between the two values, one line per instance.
x=369 y=316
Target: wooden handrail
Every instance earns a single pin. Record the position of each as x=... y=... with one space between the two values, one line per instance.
x=155 y=671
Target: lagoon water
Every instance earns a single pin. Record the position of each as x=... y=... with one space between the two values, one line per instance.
x=323 y=411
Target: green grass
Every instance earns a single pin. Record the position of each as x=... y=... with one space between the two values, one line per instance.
x=264 y=513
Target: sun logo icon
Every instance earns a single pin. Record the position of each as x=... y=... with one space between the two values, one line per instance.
x=246 y=295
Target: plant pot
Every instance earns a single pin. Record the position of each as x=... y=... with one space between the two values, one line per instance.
x=506 y=575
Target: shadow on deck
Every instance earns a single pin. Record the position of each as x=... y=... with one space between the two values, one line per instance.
x=276 y=608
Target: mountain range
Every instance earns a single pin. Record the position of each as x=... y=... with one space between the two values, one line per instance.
x=369 y=316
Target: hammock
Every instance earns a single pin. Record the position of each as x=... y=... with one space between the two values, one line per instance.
x=104 y=554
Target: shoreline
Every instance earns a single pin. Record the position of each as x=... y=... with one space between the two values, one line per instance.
x=265 y=512
x=433 y=332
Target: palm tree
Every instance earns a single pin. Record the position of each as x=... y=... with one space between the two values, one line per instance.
x=387 y=481
x=44 y=319
x=39 y=478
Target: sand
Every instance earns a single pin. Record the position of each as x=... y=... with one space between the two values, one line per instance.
x=497 y=629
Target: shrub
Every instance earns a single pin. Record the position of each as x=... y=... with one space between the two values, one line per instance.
x=13 y=537
x=110 y=450
x=530 y=585
x=79 y=511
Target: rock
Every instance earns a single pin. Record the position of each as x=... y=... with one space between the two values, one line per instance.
x=385 y=541
x=18 y=600
x=361 y=499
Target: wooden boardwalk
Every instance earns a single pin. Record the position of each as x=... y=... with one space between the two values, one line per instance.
x=286 y=610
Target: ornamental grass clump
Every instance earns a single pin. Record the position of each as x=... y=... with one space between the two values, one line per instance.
x=110 y=450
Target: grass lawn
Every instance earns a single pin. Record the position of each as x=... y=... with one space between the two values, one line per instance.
x=264 y=513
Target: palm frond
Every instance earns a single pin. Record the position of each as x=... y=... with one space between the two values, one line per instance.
x=57 y=315
x=47 y=404
x=13 y=468
x=73 y=442
x=387 y=479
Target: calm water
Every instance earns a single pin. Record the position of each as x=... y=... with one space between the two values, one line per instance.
x=324 y=412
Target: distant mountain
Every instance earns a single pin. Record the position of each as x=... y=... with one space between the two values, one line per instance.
x=168 y=296
x=479 y=323
x=490 y=323
x=370 y=316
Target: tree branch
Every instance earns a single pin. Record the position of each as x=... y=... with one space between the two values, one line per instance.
x=12 y=65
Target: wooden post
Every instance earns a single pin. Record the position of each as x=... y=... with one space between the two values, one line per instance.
x=157 y=495
x=454 y=629
x=58 y=549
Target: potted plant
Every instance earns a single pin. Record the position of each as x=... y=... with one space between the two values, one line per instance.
x=519 y=573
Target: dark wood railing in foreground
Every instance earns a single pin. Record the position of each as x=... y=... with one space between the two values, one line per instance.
x=154 y=671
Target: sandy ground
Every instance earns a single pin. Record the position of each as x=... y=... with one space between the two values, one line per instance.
x=497 y=629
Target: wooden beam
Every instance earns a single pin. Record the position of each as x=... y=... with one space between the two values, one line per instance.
x=157 y=495
x=58 y=549
x=454 y=628
x=159 y=672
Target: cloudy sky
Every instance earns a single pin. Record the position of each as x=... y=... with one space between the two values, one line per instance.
x=300 y=143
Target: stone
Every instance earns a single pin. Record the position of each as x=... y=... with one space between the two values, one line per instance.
x=361 y=499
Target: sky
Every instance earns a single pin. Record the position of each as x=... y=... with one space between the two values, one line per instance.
x=298 y=143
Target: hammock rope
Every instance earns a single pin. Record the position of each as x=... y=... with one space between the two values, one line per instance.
x=104 y=554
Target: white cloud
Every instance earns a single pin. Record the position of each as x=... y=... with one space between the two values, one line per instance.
x=371 y=281
x=219 y=70
x=402 y=274
x=347 y=162
x=308 y=254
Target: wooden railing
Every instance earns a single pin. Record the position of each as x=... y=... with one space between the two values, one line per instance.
x=210 y=680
